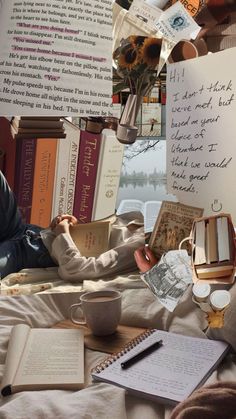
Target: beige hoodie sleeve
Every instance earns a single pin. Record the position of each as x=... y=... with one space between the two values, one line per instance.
x=75 y=267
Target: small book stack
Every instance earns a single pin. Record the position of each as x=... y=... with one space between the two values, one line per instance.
x=214 y=249
x=37 y=127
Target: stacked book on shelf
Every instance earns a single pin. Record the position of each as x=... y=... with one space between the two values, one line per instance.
x=214 y=249
x=66 y=171
x=37 y=127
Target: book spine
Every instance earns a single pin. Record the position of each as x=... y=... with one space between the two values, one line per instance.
x=8 y=144
x=86 y=175
x=60 y=181
x=45 y=162
x=71 y=176
x=108 y=175
x=24 y=176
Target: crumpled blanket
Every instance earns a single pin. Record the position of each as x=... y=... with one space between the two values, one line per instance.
x=215 y=401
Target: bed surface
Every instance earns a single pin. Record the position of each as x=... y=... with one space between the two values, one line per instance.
x=100 y=401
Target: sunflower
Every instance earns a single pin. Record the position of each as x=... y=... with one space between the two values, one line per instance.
x=150 y=51
x=137 y=40
x=128 y=59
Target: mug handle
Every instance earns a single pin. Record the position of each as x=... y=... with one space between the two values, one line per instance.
x=71 y=311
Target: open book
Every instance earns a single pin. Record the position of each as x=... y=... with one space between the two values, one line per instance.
x=92 y=239
x=170 y=373
x=40 y=359
x=174 y=223
x=149 y=209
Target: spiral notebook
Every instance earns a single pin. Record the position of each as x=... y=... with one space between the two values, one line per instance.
x=169 y=374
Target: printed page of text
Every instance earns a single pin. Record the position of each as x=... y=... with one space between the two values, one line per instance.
x=56 y=57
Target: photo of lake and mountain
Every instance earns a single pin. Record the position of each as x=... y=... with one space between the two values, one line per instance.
x=143 y=174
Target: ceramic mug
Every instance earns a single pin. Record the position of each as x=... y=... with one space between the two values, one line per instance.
x=183 y=50
x=101 y=311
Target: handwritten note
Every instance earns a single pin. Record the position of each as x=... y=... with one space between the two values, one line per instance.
x=56 y=57
x=201 y=126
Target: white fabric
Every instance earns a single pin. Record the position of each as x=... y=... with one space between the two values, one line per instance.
x=127 y=234
x=100 y=401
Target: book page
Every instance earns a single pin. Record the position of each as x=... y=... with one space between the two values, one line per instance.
x=173 y=224
x=56 y=57
x=18 y=339
x=171 y=372
x=201 y=152
x=129 y=205
x=92 y=239
x=150 y=211
x=52 y=356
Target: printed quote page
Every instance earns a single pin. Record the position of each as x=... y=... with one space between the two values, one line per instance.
x=56 y=57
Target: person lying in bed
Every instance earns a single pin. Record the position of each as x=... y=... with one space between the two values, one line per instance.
x=29 y=246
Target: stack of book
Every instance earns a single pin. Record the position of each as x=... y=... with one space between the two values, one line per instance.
x=214 y=249
x=77 y=173
x=37 y=127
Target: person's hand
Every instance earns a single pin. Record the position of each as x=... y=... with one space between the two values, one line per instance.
x=62 y=227
x=145 y=258
x=70 y=218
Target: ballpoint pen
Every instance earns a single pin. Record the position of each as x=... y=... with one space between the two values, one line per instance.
x=140 y=355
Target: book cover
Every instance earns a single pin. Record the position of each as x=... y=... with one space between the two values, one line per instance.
x=86 y=175
x=91 y=239
x=173 y=224
x=26 y=151
x=44 y=173
x=151 y=119
x=108 y=175
x=65 y=173
x=8 y=146
x=73 y=132
x=37 y=358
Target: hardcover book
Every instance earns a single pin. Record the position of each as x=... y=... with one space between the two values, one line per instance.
x=65 y=172
x=108 y=175
x=24 y=176
x=92 y=239
x=8 y=147
x=43 y=359
x=86 y=175
x=173 y=224
x=44 y=173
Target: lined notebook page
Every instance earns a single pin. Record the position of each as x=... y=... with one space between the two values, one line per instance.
x=172 y=372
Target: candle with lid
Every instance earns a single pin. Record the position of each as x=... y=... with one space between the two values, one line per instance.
x=201 y=291
x=220 y=299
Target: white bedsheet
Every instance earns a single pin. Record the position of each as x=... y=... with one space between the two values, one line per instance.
x=99 y=400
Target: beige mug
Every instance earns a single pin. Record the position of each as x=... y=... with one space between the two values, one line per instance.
x=101 y=311
x=183 y=50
